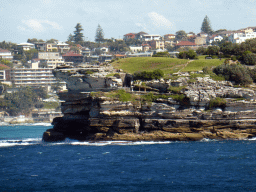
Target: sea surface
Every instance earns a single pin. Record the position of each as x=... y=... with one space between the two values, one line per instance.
x=28 y=164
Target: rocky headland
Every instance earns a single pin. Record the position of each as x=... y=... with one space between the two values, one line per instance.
x=100 y=107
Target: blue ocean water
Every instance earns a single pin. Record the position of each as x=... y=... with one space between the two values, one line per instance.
x=28 y=164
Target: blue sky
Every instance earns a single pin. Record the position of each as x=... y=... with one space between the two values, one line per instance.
x=46 y=19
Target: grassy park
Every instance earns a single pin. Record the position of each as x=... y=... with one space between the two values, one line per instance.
x=167 y=65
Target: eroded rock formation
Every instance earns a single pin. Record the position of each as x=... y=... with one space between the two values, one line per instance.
x=100 y=117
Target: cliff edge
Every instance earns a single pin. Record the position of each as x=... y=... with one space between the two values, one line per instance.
x=109 y=111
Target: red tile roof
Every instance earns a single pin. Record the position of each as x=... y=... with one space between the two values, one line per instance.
x=72 y=54
x=129 y=34
x=79 y=46
x=185 y=43
x=4 y=50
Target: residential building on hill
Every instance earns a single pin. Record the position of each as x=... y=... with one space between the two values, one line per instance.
x=186 y=44
x=146 y=37
x=73 y=57
x=50 y=59
x=135 y=49
x=169 y=37
x=241 y=37
x=26 y=46
x=129 y=36
x=5 y=54
x=32 y=77
x=157 y=44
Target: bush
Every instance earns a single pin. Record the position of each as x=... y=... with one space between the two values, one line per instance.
x=156 y=74
x=250 y=59
x=187 y=55
x=217 y=103
x=235 y=72
x=161 y=54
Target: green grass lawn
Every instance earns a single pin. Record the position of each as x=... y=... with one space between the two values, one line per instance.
x=198 y=65
x=167 y=65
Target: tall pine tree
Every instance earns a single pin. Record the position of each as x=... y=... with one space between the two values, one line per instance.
x=99 y=37
x=78 y=35
x=206 y=26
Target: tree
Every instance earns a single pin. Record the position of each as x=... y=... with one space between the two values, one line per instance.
x=206 y=26
x=70 y=38
x=213 y=50
x=99 y=37
x=78 y=35
x=181 y=35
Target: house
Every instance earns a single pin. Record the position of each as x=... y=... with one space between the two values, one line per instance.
x=169 y=37
x=129 y=36
x=26 y=46
x=63 y=47
x=73 y=57
x=139 y=35
x=214 y=38
x=185 y=44
x=50 y=59
x=145 y=47
x=151 y=37
x=157 y=44
x=105 y=58
x=242 y=36
x=86 y=52
x=200 y=40
x=5 y=54
x=135 y=49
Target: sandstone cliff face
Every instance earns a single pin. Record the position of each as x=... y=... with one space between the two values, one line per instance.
x=102 y=118
x=95 y=117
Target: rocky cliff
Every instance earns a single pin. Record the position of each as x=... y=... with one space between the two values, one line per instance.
x=132 y=117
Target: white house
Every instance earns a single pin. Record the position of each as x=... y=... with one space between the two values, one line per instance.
x=135 y=49
x=5 y=54
x=146 y=37
x=26 y=46
x=214 y=38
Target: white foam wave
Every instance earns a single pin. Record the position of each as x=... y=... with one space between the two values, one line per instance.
x=26 y=124
x=252 y=139
x=13 y=142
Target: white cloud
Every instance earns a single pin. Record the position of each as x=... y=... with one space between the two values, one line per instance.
x=159 y=20
x=38 y=25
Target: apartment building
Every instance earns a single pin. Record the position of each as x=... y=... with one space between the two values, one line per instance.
x=157 y=44
x=242 y=36
x=50 y=47
x=50 y=59
x=32 y=77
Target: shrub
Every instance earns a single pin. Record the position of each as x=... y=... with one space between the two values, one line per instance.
x=233 y=58
x=156 y=74
x=187 y=55
x=161 y=54
x=250 y=59
x=235 y=72
x=217 y=102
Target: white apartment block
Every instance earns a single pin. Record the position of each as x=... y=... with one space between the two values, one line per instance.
x=241 y=37
x=32 y=77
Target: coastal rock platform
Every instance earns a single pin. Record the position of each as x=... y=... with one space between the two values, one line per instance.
x=88 y=118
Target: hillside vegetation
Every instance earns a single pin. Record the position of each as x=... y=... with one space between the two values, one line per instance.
x=167 y=65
